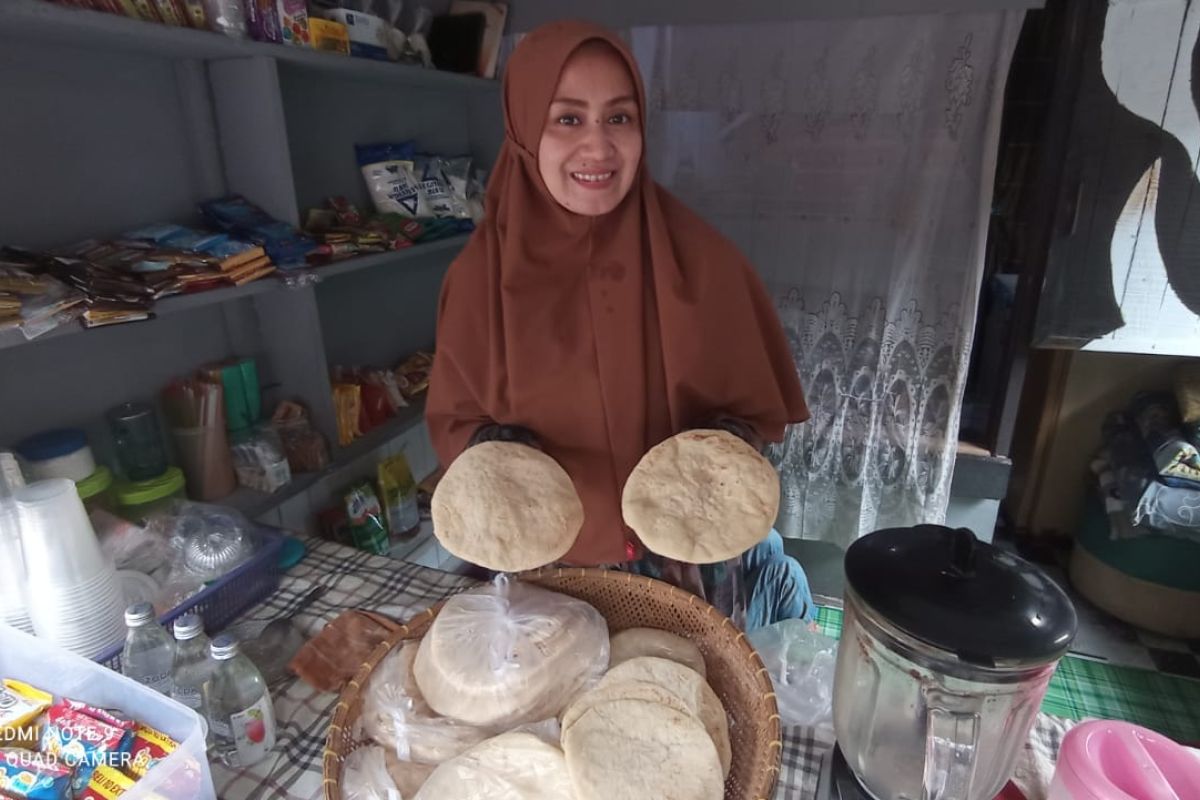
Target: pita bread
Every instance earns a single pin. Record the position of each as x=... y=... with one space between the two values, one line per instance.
x=634 y=642
x=512 y=766
x=507 y=507
x=701 y=497
x=624 y=690
x=500 y=656
x=689 y=687
x=636 y=750
x=408 y=776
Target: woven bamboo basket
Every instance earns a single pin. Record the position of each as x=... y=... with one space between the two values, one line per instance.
x=735 y=671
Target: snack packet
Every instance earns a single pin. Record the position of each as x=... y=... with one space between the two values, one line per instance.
x=20 y=705
x=106 y=784
x=34 y=776
x=149 y=747
x=398 y=492
x=367 y=529
x=82 y=742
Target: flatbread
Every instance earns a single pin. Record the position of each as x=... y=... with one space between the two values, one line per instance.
x=689 y=687
x=512 y=766
x=365 y=775
x=701 y=497
x=408 y=776
x=499 y=656
x=634 y=642
x=636 y=750
x=507 y=507
x=624 y=690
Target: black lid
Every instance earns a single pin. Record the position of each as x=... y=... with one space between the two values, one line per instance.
x=948 y=589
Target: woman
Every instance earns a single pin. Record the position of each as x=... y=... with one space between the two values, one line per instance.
x=594 y=316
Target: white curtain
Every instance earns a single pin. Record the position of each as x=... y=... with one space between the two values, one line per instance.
x=852 y=161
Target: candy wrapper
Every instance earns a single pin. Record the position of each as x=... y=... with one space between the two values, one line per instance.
x=82 y=743
x=106 y=784
x=35 y=776
x=149 y=747
x=20 y=705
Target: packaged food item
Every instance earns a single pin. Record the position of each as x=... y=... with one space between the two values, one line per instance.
x=286 y=246
x=413 y=374
x=293 y=21
x=82 y=742
x=347 y=404
x=370 y=36
x=388 y=169
x=106 y=784
x=112 y=717
x=140 y=9
x=34 y=776
x=149 y=747
x=365 y=518
x=436 y=190
x=169 y=12
x=306 y=448
x=398 y=491
x=197 y=17
x=20 y=705
x=262 y=19
x=325 y=34
x=259 y=460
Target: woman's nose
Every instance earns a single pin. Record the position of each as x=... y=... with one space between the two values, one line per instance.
x=598 y=142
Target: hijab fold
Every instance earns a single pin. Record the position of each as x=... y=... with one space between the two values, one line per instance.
x=602 y=335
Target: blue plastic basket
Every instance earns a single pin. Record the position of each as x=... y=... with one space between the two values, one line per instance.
x=220 y=603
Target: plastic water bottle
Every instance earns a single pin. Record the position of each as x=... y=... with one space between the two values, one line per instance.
x=149 y=653
x=192 y=667
x=241 y=717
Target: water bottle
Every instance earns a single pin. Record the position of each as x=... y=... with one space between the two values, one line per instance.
x=238 y=705
x=192 y=667
x=149 y=652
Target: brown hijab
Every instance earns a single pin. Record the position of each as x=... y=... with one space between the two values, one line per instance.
x=602 y=335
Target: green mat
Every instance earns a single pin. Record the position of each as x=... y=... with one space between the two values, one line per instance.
x=1082 y=688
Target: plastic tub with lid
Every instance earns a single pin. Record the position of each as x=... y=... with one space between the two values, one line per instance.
x=1105 y=760
x=140 y=500
x=62 y=453
x=96 y=490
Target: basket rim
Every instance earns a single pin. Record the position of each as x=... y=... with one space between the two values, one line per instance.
x=415 y=627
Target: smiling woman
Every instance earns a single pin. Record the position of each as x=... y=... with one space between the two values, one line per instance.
x=593 y=316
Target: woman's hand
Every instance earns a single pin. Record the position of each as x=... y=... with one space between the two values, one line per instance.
x=739 y=428
x=494 y=432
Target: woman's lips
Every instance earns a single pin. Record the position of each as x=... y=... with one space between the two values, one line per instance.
x=594 y=179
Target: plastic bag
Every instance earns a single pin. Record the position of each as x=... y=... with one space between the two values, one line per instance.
x=205 y=541
x=801 y=664
x=366 y=776
x=259 y=461
x=130 y=546
x=510 y=653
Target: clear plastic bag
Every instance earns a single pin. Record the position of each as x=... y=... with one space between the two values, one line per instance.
x=131 y=546
x=366 y=776
x=801 y=663
x=509 y=653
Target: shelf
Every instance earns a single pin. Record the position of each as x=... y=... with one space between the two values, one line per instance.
x=42 y=22
x=186 y=302
x=254 y=504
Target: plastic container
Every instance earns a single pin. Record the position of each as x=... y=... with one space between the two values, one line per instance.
x=60 y=453
x=223 y=600
x=206 y=460
x=138 y=440
x=183 y=775
x=96 y=490
x=138 y=501
x=1105 y=760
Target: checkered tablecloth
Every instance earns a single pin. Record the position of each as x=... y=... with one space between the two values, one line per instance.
x=398 y=589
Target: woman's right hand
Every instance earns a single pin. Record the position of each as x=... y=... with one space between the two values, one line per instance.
x=495 y=432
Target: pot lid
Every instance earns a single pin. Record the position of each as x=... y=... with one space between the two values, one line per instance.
x=950 y=590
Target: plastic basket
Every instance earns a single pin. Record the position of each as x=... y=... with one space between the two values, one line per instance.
x=182 y=775
x=220 y=603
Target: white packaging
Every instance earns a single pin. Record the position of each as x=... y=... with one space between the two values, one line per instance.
x=370 y=36
x=183 y=775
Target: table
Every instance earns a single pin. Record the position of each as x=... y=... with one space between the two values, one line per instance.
x=359 y=580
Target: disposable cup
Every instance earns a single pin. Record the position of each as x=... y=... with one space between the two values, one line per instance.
x=206 y=460
x=57 y=539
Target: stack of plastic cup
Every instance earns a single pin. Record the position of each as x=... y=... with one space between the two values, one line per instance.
x=14 y=609
x=75 y=597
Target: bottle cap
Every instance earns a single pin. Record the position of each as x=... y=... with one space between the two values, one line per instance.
x=223 y=647
x=139 y=614
x=189 y=626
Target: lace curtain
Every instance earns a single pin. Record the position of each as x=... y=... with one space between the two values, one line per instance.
x=852 y=161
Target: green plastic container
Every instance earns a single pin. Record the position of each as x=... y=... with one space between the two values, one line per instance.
x=96 y=490
x=139 y=500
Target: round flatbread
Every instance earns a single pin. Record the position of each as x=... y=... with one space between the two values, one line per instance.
x=635 y=642
x=689 y=687
x=624 y=690
x=512 y=766
x=701 y=497
x=507 y=507
x=634 y=750
x=408 y=776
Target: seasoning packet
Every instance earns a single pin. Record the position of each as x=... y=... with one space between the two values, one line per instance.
x=365 y=517
x=20 y=705
x=149 y=747
x=106 y=784
x=35 y=776
x=82 y=743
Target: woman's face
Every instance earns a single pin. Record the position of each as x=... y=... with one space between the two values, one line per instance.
x=592 y=141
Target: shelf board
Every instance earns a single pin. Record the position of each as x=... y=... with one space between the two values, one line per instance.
x=43 y=22
x=254 y=504
x=186 y=302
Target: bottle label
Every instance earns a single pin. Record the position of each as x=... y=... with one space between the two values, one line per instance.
x=160 y=683
x=189 y=696
x=254 y=731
